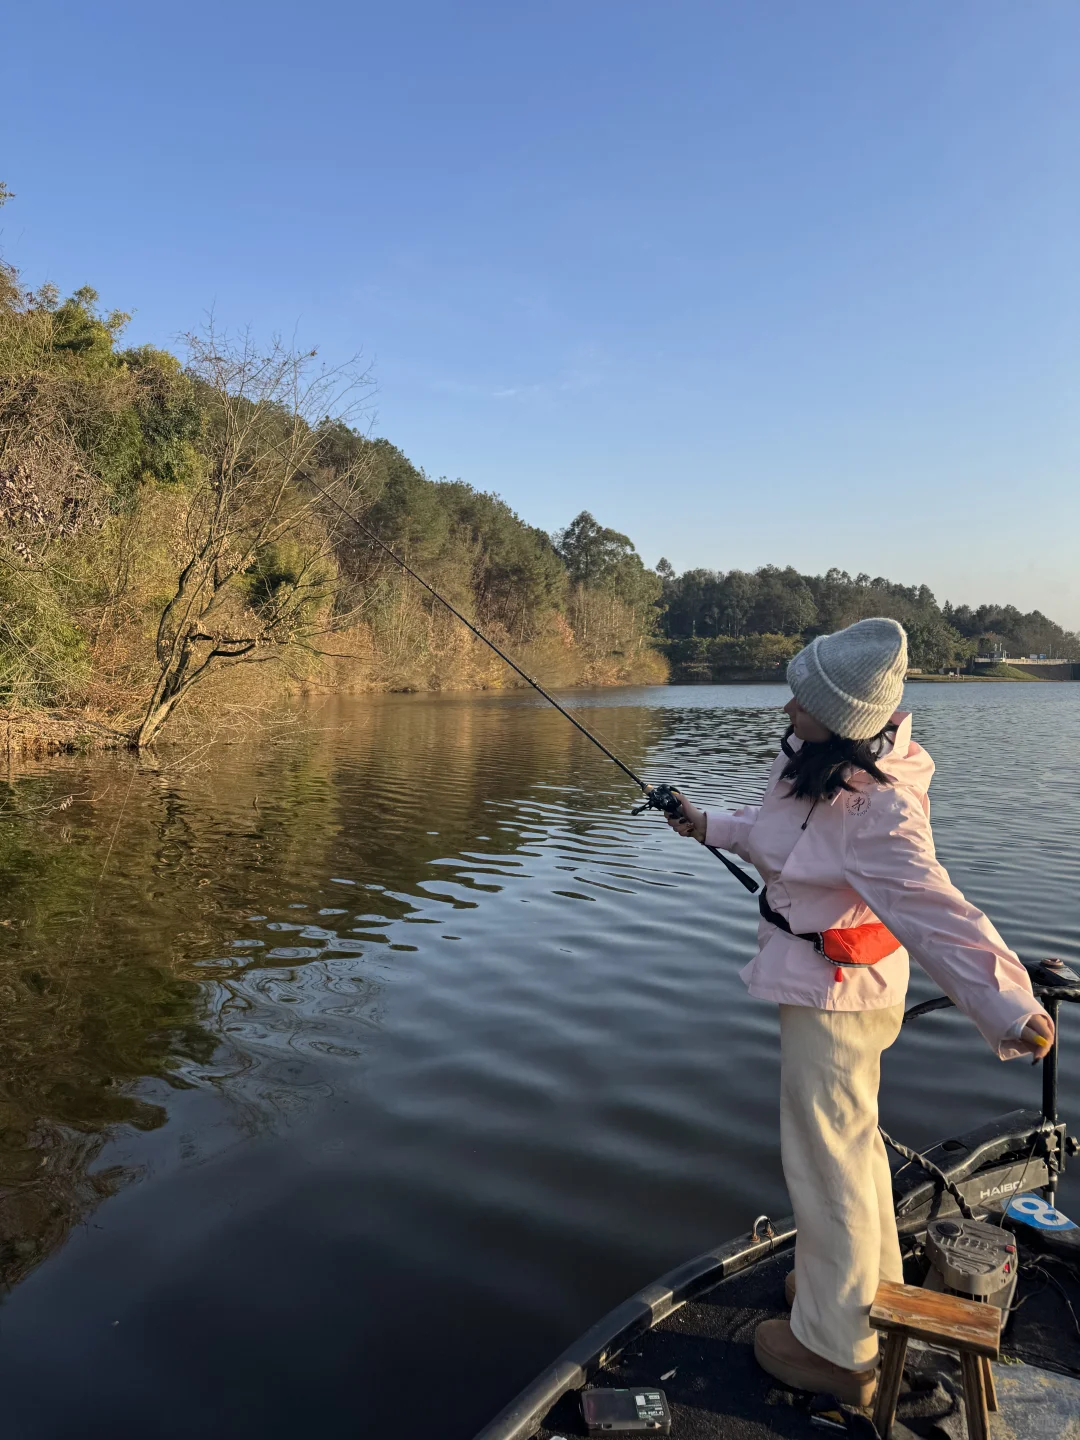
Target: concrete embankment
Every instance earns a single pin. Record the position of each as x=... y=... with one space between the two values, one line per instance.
x=701 y=674
x=1005 y=671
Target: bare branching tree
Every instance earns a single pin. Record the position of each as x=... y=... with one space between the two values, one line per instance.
x=260 y=534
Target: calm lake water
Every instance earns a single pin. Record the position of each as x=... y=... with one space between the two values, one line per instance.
x=348 y=1076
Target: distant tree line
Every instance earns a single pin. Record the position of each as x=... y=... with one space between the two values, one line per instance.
x=753 y=620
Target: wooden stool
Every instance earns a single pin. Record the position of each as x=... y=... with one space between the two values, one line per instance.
x=971 y=1329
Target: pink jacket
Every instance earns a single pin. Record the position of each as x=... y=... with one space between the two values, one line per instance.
x=864 y=856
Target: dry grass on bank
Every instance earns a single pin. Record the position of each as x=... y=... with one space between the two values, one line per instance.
x=97 y=672
x=248 y=700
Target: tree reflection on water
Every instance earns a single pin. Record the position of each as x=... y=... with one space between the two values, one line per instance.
x=131 y=967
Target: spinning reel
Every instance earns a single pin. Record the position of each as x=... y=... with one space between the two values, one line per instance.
x=664 y=798
x=667 y=800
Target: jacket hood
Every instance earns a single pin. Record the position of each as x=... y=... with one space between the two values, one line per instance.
x=905 y=761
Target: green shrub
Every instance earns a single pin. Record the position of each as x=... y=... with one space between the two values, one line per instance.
x=43 y=655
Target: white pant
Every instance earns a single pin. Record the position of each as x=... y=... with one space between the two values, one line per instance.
x=837 y=1174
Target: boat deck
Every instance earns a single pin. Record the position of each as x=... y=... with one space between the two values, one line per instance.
x=717 y=1392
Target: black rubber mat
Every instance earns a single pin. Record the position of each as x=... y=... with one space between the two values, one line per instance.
x=702 y=1357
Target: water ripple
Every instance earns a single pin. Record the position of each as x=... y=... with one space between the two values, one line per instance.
x=571 y=1096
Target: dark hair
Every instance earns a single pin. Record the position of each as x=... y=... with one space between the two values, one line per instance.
x=819 y=768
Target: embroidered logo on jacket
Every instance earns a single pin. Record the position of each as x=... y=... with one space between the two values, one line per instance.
x=859 y=804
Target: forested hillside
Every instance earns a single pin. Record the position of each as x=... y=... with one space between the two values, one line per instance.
x=168 y=528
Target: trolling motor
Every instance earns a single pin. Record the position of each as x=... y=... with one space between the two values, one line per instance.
x=668 y=801
x=1052 y=982
x=979 y=1260
x=975 y=1255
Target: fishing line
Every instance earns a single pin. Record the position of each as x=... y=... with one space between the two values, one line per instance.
x=119 y=821
x=105 y=863
x=657 y=797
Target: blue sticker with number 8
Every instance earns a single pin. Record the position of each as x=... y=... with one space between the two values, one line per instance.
x=1033 y=1210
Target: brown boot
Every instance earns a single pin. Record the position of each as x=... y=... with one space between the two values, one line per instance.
x=788 y=1360
x=789 y=1289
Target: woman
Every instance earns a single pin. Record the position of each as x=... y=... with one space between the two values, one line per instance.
x=842 y=840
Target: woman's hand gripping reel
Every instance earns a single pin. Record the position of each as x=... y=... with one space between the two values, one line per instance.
x=668 y=801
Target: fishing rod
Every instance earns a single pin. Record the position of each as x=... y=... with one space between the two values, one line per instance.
x=664 y=798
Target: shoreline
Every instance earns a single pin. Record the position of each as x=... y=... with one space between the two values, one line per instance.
x=37 y=735
x=43 y=734
x=979 y=680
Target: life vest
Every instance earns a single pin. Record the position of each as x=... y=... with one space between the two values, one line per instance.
x=853 y=945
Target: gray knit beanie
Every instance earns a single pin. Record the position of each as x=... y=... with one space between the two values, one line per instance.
x=852 y=680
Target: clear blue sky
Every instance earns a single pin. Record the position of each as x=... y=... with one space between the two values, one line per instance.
x=784 y=281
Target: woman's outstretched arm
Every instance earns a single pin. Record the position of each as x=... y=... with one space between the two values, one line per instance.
x=890 y=861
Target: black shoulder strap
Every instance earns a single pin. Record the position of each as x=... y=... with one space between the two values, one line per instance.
x=774 y=918
x=769 y=914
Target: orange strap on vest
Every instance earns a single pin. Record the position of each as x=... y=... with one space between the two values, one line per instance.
x=854 y=945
